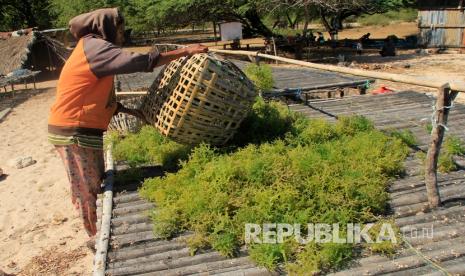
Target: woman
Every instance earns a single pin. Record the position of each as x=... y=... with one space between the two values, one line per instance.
x=85 y=101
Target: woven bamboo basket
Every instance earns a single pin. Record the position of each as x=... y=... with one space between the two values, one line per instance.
x=123 y=122
x=199 y=99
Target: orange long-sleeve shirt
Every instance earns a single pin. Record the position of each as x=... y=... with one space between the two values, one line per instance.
x=85 y=101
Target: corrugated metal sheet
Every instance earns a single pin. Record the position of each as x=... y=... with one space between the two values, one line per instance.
x=445 y=245
x=463 y=37
x=453 y=36
x=442 y=28
x=135 y=250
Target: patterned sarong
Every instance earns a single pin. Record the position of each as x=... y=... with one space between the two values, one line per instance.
x=85 y=168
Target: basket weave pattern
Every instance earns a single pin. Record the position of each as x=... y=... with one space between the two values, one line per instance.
x=199 y=99
x=123 y=122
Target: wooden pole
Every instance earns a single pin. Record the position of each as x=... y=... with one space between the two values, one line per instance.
x=103 y=236
x=123 y=93
x=432 y=83
x=440 y=116
x=274 y=49
x=214 y=33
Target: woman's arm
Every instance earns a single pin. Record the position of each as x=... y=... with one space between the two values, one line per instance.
x=106 y=59
x=167 y=57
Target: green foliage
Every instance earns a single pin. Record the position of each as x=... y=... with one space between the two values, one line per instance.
x=315 y=258
x=402 y=15
x=63 y=11
x=429 y=128
x=261 y=76
x=266 y=122
x=451 y=146
x=286 y=32
x=317 y=171
x=270 y=255
x=16 y=14
x=406 y=136
x=148 y=146
x=454 y=145
x=386 y=247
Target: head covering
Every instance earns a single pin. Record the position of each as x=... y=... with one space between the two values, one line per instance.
x=102 y=22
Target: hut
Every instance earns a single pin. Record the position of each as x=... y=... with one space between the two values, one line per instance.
x=32 y=51
x=442 y=23
x=62 y=35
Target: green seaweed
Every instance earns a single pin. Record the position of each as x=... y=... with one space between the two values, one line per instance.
x=282 y=168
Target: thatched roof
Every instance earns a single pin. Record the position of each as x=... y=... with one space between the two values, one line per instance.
x=14 y=52
x=33 y=51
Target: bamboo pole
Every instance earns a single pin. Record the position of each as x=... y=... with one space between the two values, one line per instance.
x=123 y=93
x=443 y=103
x=104 y=234
x=455 y=86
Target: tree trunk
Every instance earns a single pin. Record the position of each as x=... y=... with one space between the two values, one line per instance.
x=256 y=24
x=214 y=31
x=289 y=20
x=325 y=22
x=307 y=19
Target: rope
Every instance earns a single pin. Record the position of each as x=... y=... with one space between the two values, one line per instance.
x=424 y=257
x=434 y=122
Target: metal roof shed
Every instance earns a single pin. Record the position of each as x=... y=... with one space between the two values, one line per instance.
x=442 y=23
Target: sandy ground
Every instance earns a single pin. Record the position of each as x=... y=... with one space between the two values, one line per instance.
x=40 y=232
x=445 y=67
x=401 y=29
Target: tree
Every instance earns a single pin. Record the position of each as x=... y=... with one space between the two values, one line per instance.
x=178 y=13
x=63 y=11
x=156 y=14
x=18 y=14
x=333 y=12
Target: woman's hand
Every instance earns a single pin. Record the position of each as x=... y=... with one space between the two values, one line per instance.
x=167 y=57
x=195 y=49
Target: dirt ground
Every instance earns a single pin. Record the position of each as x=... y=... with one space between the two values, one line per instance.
x=40 y=232
x=401 y=30
x=446 y=67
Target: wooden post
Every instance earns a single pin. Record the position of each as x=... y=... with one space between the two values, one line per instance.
x=274 y=49
x=214 y=32
x=443 y=102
